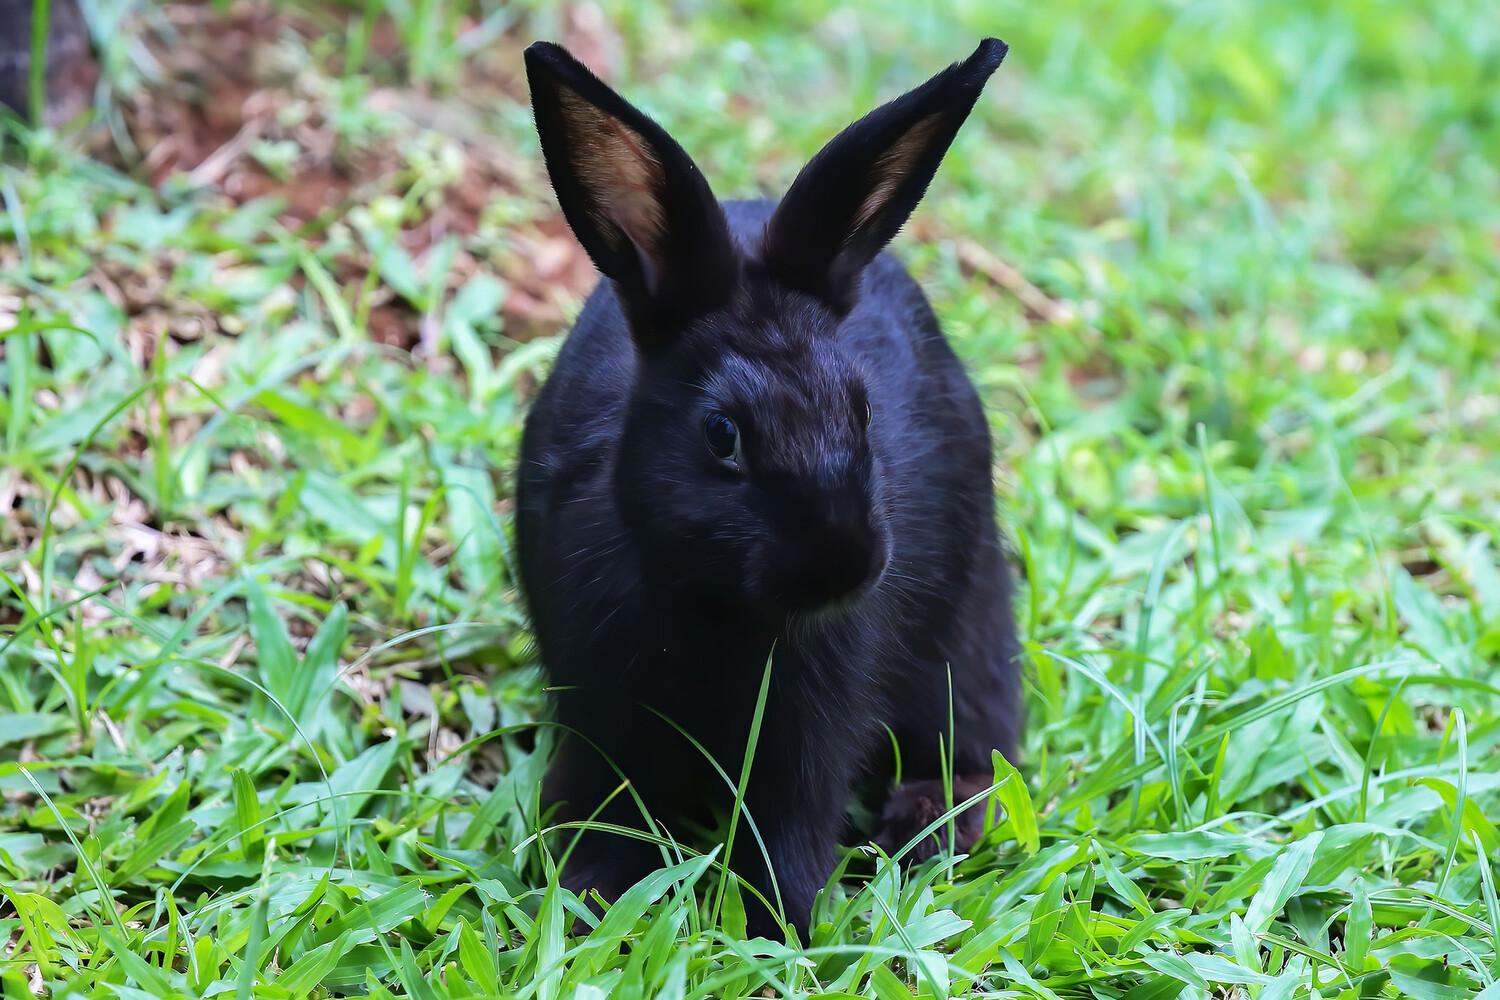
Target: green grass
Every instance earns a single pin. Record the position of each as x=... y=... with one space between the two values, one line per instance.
x=266 y=699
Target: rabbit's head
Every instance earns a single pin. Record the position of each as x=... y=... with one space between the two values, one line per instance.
x=746 y=470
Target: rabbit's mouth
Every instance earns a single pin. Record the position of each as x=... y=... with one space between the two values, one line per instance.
x=830 y=569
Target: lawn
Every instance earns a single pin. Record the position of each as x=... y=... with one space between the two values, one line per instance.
x=1227 y=275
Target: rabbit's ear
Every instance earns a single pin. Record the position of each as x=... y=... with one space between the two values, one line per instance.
x=852 y=197
x=635 y=200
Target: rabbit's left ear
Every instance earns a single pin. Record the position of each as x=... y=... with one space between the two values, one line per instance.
x=633 y=197
x=852 y=198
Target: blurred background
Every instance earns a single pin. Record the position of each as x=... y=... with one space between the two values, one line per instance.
x=278 y=279
x=1182 y=205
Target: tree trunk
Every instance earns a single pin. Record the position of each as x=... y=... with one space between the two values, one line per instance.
x=70 y=71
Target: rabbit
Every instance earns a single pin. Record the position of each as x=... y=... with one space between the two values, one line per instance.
x=756 y=446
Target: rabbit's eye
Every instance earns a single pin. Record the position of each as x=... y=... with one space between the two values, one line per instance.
x=723 y=438
x=866 y=413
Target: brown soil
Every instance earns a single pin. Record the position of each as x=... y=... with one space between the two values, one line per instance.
x=226 y=87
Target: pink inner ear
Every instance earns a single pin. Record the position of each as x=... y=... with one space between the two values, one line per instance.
x=621 y=174
x=895 y=165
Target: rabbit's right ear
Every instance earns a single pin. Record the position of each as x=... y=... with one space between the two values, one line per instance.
x=633 y=197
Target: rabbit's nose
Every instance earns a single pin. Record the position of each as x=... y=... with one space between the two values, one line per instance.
x=836 y=551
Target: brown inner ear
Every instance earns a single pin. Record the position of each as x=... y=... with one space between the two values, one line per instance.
x=895 y=165
x=619 y=171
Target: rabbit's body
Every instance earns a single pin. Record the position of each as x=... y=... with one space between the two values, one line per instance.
x=863 y=551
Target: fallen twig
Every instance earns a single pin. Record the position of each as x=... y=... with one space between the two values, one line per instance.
x=1037 y=302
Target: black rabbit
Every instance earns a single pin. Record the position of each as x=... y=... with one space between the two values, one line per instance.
x=755 y=439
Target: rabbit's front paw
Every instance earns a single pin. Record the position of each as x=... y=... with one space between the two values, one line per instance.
x=914 y=805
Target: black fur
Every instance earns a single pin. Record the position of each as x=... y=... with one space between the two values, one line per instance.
x=659 y=579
